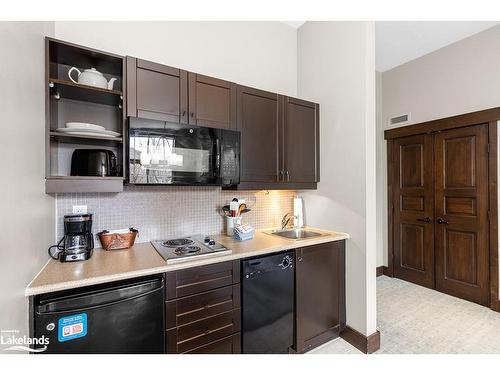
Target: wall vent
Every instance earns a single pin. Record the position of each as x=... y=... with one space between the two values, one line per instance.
x=400 y=119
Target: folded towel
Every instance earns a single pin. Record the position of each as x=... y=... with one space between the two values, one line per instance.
x=243 y=232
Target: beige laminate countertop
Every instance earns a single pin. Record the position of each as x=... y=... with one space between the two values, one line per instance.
x=142 y=259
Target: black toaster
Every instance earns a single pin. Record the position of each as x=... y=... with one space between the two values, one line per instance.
x=93 y=162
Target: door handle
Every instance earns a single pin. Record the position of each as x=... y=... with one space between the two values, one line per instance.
x=426 y=219
x=441 y=221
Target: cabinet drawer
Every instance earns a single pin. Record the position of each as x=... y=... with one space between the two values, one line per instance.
x=200 y=306
x=227 y=345
x=203 y=332
x=200 y=279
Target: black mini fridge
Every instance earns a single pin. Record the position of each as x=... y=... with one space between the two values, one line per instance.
x=125 y=317
x=268 y=299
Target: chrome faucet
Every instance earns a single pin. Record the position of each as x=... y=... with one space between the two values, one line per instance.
x=286 y=220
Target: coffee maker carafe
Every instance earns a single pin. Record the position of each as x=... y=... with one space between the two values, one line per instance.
x=78 y=241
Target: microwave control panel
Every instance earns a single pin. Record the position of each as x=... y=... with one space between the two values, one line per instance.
x=229 y=165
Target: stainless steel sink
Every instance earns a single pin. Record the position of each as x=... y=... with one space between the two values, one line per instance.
x=296 y=234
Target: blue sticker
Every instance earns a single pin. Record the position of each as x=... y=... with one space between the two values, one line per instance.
x=72 y=327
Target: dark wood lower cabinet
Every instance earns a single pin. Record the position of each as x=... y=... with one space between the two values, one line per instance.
x=203 y=332
x=227 y=345
x=203 y=304
x=202 y=312
x=320 y=294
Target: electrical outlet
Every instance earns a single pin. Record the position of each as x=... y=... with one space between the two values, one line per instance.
x=79 y=209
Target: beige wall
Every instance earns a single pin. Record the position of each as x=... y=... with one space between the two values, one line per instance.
x=336 y=68
x=27 y=218
x=259 y=54
x=460 y=78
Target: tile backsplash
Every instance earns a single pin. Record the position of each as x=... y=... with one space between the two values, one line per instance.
x=161 y=212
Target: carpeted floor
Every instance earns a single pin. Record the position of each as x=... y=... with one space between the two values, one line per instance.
x=413 y=320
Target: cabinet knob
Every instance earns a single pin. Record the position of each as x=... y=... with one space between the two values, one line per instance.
x=300 y=259
x=287 y=174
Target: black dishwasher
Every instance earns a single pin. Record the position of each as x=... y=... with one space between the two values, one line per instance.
x=268 y=304
x=124 y=317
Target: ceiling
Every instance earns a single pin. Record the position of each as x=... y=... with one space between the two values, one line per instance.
x=295 y=24
x=398 y=42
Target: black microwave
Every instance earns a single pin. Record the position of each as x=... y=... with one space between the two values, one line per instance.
x=163 y=153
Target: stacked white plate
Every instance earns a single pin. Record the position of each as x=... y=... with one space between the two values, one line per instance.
x=83 y=128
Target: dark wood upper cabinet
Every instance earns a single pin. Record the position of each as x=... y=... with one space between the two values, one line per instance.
x=300 y=140
x=279 y=134
x=320 y=294
x=212 y=102
x=156 y=91
x=257 y=119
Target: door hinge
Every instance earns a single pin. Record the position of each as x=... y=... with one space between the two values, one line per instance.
x=488 y=148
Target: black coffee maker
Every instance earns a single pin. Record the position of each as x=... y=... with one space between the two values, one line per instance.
x=78 y=241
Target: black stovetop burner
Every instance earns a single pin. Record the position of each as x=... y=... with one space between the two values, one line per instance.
x=178 y=242
x=184 y=250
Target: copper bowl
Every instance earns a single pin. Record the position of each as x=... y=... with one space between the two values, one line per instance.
x=116 y=241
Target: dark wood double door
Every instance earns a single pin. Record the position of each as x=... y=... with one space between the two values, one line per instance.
x=440 y=216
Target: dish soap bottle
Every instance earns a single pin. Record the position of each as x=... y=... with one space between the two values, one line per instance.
x=298 y=212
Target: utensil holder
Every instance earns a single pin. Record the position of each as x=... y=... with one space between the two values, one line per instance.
x=231 y=222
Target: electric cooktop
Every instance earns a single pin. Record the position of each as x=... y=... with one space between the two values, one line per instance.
x=189 y=248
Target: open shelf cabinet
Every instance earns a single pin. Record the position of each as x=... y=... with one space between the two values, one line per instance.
x=67 y=101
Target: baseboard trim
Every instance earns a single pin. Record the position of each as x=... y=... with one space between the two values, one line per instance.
x=383 y=270
x=361 y=342
x=494 y=305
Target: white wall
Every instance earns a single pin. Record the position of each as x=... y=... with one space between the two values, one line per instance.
x=259 y=54
x=460 y=78
x=27 y=218
x=382 y=234
x=336 y=68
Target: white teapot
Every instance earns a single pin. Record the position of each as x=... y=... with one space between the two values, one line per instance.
x=92 y=77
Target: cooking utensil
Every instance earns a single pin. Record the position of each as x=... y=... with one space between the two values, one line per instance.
x=242 y=207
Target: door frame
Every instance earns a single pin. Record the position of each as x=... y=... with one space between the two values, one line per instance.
x=489 y=116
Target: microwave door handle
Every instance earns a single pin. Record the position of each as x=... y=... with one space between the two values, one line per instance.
x=218 y=156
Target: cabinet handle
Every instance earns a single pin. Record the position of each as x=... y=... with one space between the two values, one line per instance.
x=192 y=114
x=300 y=259
x=441 y=221
x=183 y=113
x=287 y=174
x=280 y=175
